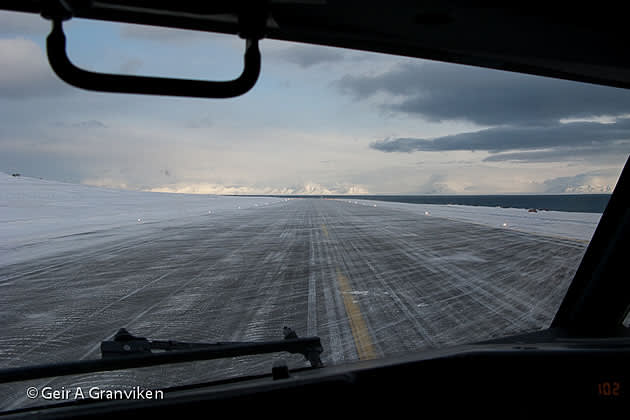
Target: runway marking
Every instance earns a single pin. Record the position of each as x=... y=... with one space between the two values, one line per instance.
x=325 y=230
x=311 y=320
x=362 y=340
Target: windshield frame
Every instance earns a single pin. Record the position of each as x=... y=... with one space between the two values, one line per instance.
x=597 y=301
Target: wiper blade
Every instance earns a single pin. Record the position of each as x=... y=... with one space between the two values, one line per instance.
x=128 y=351
x=124 y=344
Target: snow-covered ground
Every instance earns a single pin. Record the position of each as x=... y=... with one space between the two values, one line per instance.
x=165 y=268
x=571 y=225
x=38 y=216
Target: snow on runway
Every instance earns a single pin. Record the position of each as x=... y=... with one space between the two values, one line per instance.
x=42 y=217
x=370 y=281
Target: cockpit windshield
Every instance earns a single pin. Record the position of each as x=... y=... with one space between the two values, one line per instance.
x=384 y=204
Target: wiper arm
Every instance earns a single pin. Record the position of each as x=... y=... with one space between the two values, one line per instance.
x=128 y=351
x=124 y=344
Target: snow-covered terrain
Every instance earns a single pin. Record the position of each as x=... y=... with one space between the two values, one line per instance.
x=39 y=217
x=572 y=225
x=371 y=279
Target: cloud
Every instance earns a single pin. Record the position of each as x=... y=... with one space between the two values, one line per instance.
x=23 y=24
x=536 y=119
x=602 y=181
x=25 y=71
x=106 y=183
x=436 y=184
x=36 y=163
x=308 y=188
x=438 y=92
x=205 y=121
x=89 y=124
x=585 y=136
x=131 y=66
x=307 y=55
x=617 y=153
x=312 y=188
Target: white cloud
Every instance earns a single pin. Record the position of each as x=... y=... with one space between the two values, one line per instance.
x=25 y=70
x=106 y=183
x=601 y=181
x=308 y=188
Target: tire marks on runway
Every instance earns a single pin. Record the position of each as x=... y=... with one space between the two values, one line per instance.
x=344 y=272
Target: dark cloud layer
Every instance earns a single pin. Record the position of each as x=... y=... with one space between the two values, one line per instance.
x=501 y=139
x=438 y=91
x=615 y=153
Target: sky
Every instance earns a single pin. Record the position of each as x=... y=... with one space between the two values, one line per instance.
x=320 y=120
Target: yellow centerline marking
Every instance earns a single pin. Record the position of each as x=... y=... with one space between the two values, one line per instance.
x=360 y=333
x=362 y=339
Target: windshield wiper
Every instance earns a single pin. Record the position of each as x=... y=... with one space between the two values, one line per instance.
x=128 y=351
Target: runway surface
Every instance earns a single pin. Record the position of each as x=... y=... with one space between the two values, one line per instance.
x=370 y=281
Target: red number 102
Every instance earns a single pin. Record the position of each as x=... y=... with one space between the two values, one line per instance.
x=608 y=389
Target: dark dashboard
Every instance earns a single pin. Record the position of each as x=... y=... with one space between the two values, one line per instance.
x=560 y=377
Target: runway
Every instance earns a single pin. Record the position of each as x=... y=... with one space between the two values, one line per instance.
x=369 y=281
